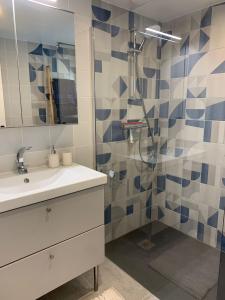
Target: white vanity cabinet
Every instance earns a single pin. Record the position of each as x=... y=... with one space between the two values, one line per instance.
x=47 y=244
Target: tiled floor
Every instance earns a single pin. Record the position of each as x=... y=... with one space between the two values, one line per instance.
x=130 y=255
x=111 y=276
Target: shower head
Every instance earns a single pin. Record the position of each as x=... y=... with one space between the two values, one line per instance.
x=155 y=32
x=150 y=32
x=141 y=46
x=149 y=36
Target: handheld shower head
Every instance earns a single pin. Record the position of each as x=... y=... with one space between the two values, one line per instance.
x=141 y=47
x=136 y=47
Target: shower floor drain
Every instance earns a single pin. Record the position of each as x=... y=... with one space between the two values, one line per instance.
x=146 y=245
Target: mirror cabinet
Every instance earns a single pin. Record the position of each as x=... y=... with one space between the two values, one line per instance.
x=37 y=65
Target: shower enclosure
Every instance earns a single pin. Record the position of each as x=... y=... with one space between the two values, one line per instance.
x=160 y=131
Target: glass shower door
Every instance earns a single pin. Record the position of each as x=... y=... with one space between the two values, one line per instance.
x=164 y=223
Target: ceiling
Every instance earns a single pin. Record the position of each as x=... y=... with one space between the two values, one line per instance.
x=163 y=10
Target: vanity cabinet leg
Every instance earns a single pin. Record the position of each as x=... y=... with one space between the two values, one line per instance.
x=96 y=271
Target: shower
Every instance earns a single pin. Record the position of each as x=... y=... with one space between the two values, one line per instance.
x=160 y=111
x=135 y=93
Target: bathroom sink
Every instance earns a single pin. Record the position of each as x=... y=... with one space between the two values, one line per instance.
x=42 y=184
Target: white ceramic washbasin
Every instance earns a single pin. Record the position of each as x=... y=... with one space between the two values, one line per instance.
x=43 y=184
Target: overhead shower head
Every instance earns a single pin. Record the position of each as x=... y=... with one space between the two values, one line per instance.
x=150 y=32
x=155 y=32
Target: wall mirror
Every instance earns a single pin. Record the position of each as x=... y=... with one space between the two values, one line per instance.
x=45 y=43
x=10 y=108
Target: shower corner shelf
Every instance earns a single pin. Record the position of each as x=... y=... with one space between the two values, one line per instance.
x=133 y=125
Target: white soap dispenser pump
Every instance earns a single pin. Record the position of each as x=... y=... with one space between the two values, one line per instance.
x=53 y=158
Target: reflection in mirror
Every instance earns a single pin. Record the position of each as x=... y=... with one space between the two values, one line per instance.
x=10 y=110
x=47 y=70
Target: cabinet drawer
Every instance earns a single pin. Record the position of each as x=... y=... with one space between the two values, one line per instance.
x=33 y=228
x=36 y=275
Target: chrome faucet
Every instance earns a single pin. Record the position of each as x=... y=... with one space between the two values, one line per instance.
x=20 y=160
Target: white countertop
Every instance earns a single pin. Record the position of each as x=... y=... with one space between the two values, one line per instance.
x=46 y=184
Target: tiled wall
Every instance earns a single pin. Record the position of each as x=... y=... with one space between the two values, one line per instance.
x=192 y=114
x=128 y=201
x=182 y=86
x=68 y=136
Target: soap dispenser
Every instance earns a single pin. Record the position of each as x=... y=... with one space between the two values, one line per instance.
x=53 y=158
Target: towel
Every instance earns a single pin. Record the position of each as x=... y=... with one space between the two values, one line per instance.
x=65 y=96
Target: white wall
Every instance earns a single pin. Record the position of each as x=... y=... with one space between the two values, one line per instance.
x=77 y=138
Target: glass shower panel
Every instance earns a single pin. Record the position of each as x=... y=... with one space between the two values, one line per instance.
x=161 y=141
x=128 y=200
x=187 y=250
x=220 y=285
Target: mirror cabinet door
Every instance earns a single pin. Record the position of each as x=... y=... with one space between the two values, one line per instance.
x=46 y=43
x=10 y=108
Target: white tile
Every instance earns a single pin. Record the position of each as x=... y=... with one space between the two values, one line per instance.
x=84 y=84
x=26 y=100
x=209 y=195
x=210 y=236
x=208 y=154
x=11 y=140
x=36 y=137
x=103 y=41
x=217 y=39
x=84 y=156
x=83 y=134
x=120 y=17
x=82 y=24
x=220 y=220
x=191 y=133
x=11 y=55
x=12 y=75
x=7 y=163
x=28 y=121
x=133 y=221
x=85 y=111
x=36 y=158
x=119 y=228
x=171 y=218
x=61 y=136
x=83 y=49
x=81 y=7
x=215 y=86
x=182 y=25
x=24 y=74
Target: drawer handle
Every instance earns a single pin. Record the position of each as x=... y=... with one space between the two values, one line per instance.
x=48 y=210
x=51 y=256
